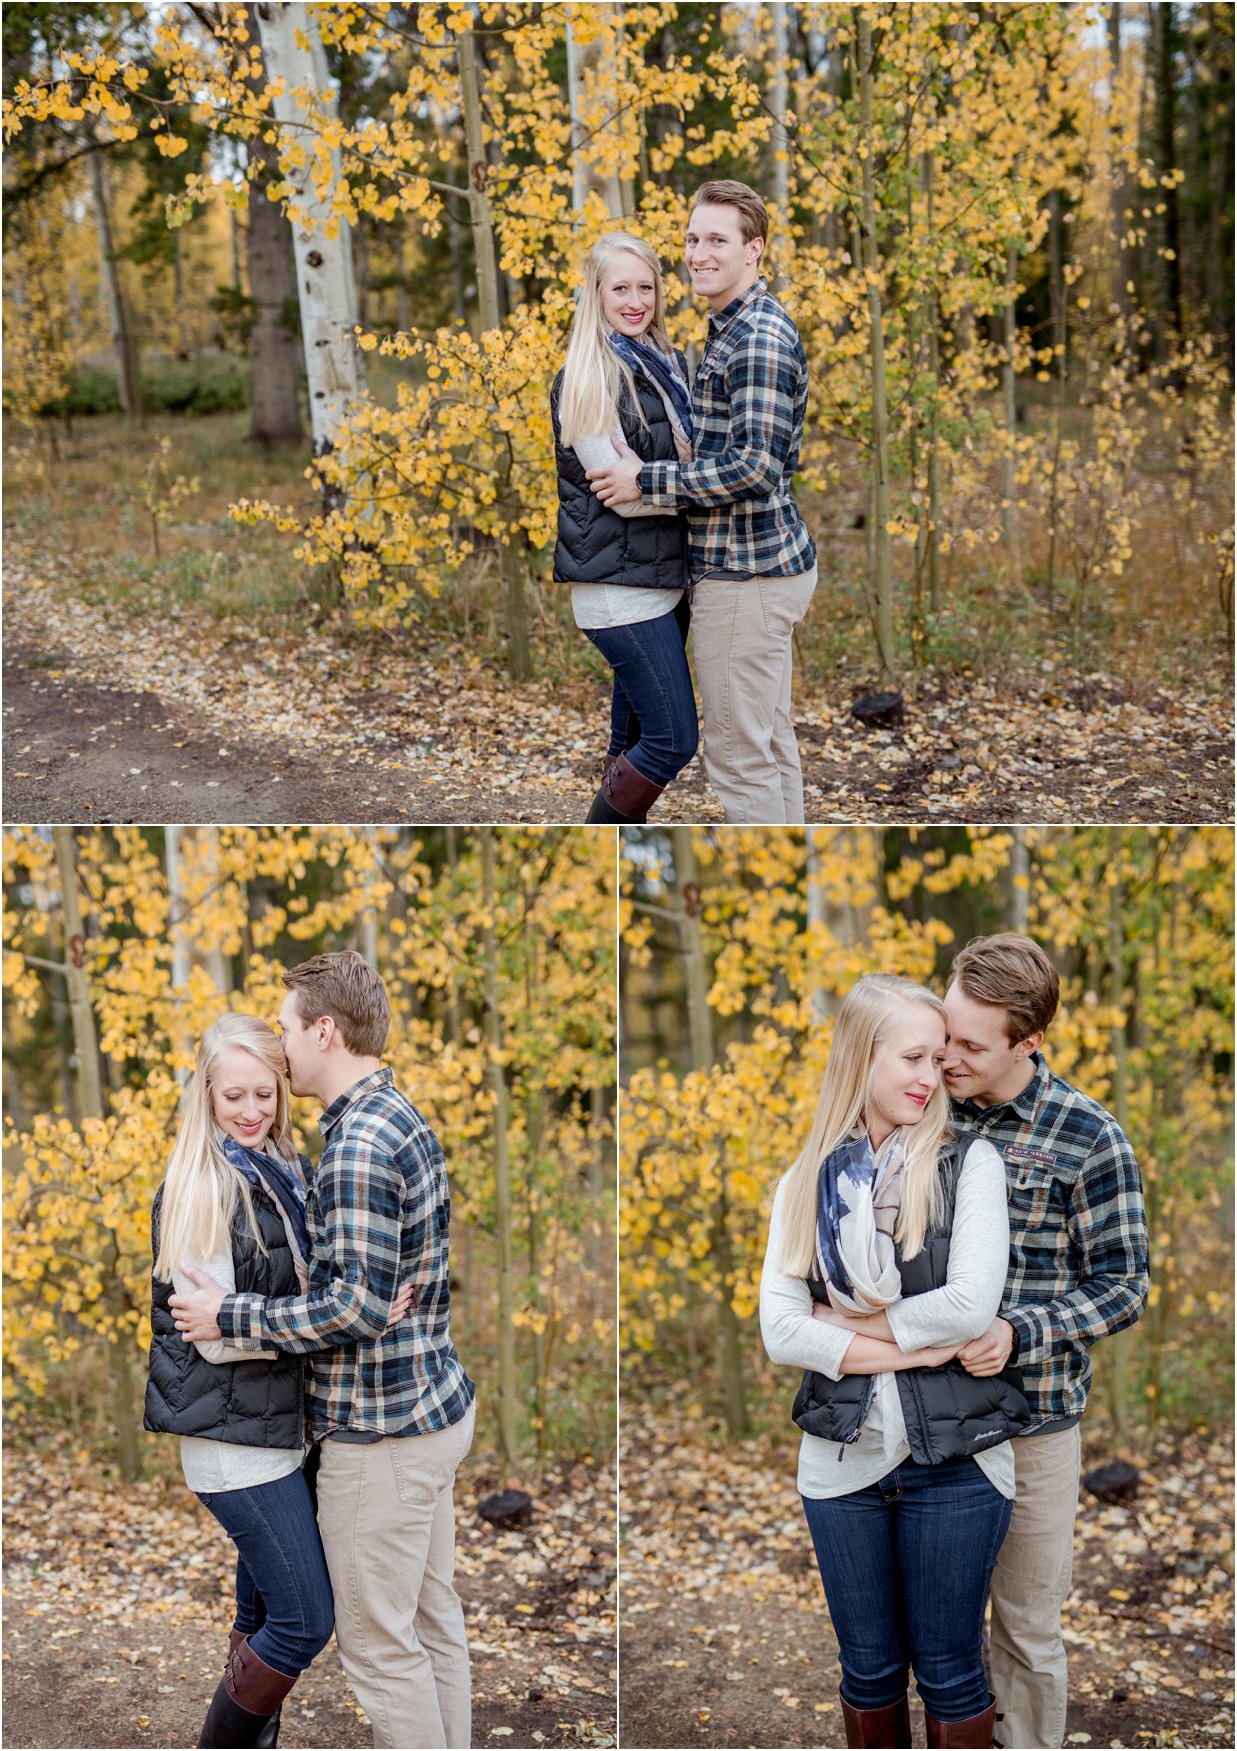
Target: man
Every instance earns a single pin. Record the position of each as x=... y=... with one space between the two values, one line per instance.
x=1078 y=1271
x=753 y=563
x=392 y=1409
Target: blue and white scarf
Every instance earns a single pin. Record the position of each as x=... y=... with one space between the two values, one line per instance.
x=664 y=374
x=280 y=1180
x=854 y=1256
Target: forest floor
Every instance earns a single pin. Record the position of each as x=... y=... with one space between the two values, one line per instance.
x=170 y=714
x=726 y=1641
x=116 y=1614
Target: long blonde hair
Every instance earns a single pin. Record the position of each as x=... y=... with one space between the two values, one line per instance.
x=594 y=377
x=863 y=1024
x=202 y=1190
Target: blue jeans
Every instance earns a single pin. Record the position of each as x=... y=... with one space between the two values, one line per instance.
x=283 y=1592
x=652 y=708
x=906 y=1564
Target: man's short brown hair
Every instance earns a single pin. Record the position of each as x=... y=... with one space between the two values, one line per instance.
x=753 y=214
x=345 y=987
x=1011 y=973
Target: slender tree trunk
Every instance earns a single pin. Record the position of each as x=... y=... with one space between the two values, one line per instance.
x=293 y=53
x=1009 y=388
x=1119 y=193
x=1060 y=333
x=275 y=349
x=182 y=960
x=496 y=1080
x=369 y=917
x=779 y=144
x=403 y=309
x=703 y=1057
x=817 y=909
x=934 y=371
x=218 y=965
x=876 y=344
x=118 y=316
x=1019 y=881
x=90 y=1106
x=1118 y=1353
x=81 y=1011
x=510 y=557
x=1166 y=153
x=600 y=1157
x=593 y=166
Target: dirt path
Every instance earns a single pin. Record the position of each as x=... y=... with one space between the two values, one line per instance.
x=159 y=718
x=74 y=751
x=117 y=1611
x=726 y=1641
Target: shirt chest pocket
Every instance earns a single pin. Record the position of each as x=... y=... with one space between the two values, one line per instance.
x=1038 y=1204
x=710 y=397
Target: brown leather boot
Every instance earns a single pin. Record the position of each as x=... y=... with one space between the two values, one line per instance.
x=268 y=1738
x=607 y=761
x=888 y=1727
x=975 y=1731
x=246 y=1703
x=625 y=794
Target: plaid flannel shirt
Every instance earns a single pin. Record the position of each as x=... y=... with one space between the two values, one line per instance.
x=749 y=400
x=379 y=1212
x=1078 y=1260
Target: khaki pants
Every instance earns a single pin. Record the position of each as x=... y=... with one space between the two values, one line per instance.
x=388 y=1530
x=742 y=644
x=1027 y=1668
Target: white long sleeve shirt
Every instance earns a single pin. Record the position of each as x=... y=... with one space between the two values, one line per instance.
x=597 y=606
x=962 y=1309
x=214 y=1467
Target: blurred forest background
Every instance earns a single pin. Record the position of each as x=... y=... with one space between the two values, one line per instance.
x=737 y=949
x=497 y=948
x=1006 y=234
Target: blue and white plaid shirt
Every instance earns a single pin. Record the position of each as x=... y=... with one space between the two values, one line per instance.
x=749 y=401
x=1078 y=1259
x=379 y=1212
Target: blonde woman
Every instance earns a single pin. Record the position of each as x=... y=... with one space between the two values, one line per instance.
x=886 y=1222
x=233 y=1204
x=623 y=387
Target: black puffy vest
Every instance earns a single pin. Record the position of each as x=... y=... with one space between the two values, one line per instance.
x=949 y=1414
x=597 y=546
x=255 y=1404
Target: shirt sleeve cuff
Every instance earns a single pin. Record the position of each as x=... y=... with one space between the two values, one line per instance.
x=656 y=483
x=1032 y=1337
x=239 y=1320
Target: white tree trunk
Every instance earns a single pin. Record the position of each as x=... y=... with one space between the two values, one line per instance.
x=779 y=144
x=182 y=960
x=590 y=169
x=323 y=265
x=127 y=383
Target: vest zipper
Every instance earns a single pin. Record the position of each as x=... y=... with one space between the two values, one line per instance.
x=925 y=1430
x=864 y=1402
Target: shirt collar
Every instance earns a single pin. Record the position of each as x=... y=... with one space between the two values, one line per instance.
x=1024 y=1105
x=723 y=318
x=376 y=1079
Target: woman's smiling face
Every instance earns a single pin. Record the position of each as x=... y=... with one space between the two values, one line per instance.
x=906 y=1069
x=244 y=1097
x=628 y=292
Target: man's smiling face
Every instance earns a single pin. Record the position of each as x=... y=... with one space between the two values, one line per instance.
x=982 y=1063
x=721 y=262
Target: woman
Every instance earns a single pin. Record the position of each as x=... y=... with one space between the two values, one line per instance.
x=885 y=1227
x=623 y=383
x=233 y=1204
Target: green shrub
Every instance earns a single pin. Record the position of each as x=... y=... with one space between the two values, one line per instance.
x=214 y=384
